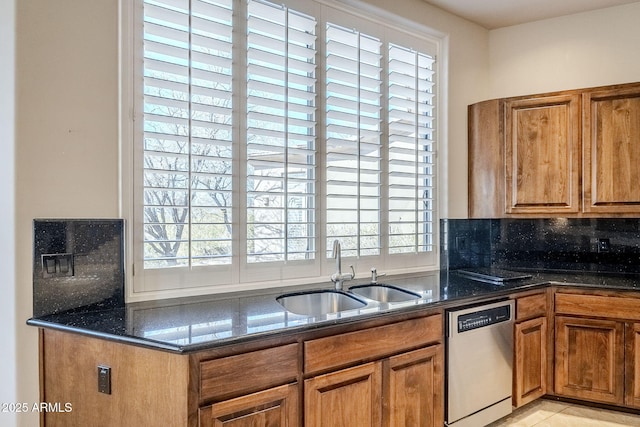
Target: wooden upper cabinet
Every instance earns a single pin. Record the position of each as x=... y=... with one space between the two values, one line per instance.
x=486 y=160
x=611 y=144
x=542 y=153
x=571 y=153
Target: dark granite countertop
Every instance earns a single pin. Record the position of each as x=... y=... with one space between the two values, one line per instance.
x=195 y=323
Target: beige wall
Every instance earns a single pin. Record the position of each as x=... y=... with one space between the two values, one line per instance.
x=583 y=50
x=67 y=137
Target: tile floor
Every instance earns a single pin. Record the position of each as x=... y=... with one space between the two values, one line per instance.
x=549 y=413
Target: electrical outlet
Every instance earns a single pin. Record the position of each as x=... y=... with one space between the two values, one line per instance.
x=104 y=379
x=604 y=245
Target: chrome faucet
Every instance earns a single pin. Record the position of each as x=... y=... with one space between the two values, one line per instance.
x=338 y=277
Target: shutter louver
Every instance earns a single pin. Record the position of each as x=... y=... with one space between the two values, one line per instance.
x=353 y=146
x=281 y=159
x=187 y=132
x=411 y=151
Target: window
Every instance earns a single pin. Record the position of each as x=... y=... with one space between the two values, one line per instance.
x=265 y=131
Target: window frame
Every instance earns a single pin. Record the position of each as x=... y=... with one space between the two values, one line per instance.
x=241 y=275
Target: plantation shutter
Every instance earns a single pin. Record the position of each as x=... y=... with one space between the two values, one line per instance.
x=353 y=140
x=281 y=120
x=187 y=137
x=411 y=150
x=231 y=153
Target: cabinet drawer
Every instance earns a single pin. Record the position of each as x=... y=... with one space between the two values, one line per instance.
x=598 y=306
x=531 y=306
x=369 y=344
x=248 y=372
x=277 y=406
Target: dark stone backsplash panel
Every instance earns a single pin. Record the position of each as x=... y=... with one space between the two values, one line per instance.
x=78 y=265
x=557 y=244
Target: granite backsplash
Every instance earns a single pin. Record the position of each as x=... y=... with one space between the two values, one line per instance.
x=604 y=245
x=78 y=265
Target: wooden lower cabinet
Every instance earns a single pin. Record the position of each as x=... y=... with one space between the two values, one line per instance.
x=276 y=407
x=339 y=398
x=148 y=387
x=379 y=374
x=632 y=365
x=590 y=359
x=401 y=391
x=530 y=376
x=413 y=392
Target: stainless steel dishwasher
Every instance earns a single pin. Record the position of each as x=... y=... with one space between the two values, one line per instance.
x=479 y=364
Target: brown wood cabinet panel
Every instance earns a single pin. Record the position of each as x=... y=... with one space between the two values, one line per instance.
x=531 y=306
x=632 y=365
x=414 y=390
x=245 y=373
x=369 y=344
x=148 y=387
x=590 y=359
x=345 y=398
x=486 y=160
x=276 y=407
x=542 y=153
x=530 y=380
x=611 y=133
x=598 y=306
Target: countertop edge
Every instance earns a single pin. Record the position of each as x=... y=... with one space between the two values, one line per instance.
x=140 y=342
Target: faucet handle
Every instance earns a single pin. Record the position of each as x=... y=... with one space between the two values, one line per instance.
x=353 y=272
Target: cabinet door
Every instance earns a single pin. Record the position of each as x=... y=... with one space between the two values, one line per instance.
x=414 y=389
x=530 y=380
x=276 y=407
x=612 y=150
x=345 y=398
x=542 y=155
x=590 y=359
x=632 y=360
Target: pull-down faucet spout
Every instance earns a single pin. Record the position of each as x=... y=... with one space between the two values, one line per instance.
x=338 y=278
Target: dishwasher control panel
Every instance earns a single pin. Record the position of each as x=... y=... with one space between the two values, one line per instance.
x=482 y=318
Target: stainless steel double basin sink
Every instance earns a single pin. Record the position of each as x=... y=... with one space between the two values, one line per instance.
x=326 y=301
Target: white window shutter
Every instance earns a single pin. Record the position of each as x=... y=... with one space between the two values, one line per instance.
x=187 y=132
x=232 y=154
x=353 y=140
x=281 y=120
x=411 y=150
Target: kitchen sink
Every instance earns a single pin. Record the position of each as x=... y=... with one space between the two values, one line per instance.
x=319 y=302
x=384 y=293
